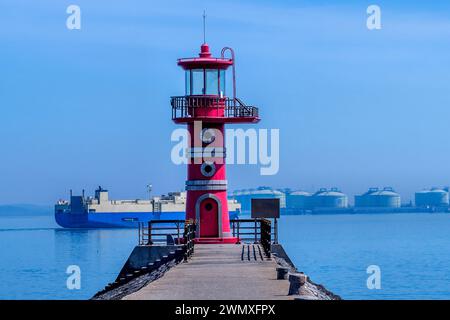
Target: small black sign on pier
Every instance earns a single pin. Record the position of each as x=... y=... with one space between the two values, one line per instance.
x=267 y=209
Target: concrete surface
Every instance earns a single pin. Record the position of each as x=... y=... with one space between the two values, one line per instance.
x=227 y=272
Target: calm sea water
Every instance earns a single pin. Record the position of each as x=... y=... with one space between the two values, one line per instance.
x=412 y=251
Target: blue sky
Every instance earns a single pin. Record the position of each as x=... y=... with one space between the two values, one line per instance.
x=355 y=108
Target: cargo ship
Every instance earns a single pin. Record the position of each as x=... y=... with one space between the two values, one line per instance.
x=101 y=212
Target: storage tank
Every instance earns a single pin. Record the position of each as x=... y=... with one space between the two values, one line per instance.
x=244 y=197
x=298 y=200
x=267 y=192
x=379 y=198
x=434 y=197
x=332 y=198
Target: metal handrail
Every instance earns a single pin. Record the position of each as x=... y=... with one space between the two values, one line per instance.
x=186 y=106
x=266 y=236
x=188 y=239
x=255 y=230
x=150 y=234
x=261 y=232
x=233 y=58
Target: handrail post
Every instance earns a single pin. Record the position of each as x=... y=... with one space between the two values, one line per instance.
x=269 y=240
x=275 y=231
x=239 y=231
x=186 y=241
x=256 y=231
x=194 y=227
x=149 y=241
x=234 y=228
x=139 y=233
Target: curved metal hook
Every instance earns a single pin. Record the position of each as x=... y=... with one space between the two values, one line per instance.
x=222 y=55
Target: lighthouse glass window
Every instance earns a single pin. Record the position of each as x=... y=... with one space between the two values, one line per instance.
x=197 y=82
x=222 y=83
x=205 y=82
x=188 y=82
x=212 y=81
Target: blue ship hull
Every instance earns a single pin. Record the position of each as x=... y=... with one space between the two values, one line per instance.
x=117 y=220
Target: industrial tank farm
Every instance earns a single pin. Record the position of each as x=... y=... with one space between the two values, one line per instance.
x=333 y=201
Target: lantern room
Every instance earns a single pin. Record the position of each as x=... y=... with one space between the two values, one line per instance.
x=205 y=95
x=205 y=75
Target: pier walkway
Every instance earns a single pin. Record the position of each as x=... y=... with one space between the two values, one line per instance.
x=219 y=272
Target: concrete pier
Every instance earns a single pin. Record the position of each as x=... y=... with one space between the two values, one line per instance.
x=212 y=272
x=219 y=272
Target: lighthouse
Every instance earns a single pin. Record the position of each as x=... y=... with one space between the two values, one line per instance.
x=205 y=108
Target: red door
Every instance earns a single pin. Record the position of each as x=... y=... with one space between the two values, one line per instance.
x=209 y=219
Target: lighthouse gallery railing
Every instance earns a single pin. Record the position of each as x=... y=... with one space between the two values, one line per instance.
x=186 y=106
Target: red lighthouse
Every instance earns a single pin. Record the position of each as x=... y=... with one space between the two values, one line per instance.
x=205 y=108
